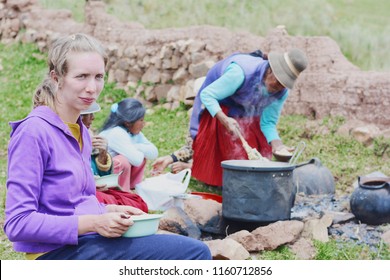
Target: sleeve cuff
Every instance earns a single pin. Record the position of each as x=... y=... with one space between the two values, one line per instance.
x=174 y=158
x=104 y=167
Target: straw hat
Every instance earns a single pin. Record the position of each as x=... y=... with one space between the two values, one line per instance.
x=91 y=109
x=287 y=66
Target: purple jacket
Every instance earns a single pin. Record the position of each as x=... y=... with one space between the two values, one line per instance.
x=49 y=183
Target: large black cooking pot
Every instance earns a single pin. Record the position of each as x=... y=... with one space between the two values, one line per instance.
x=257 y=191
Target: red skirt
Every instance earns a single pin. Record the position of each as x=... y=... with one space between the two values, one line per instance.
x=214 y=144
x=118 y=197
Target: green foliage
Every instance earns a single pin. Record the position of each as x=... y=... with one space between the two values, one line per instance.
x=75 y=6
x=335 y=250
x=280 y=253
x=332 y=250
x=350 y=23
x=166 y=129
x=345 y=157
x=7 y=252
x=381 y=147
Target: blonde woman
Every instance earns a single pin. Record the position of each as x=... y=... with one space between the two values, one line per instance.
x=51 y=208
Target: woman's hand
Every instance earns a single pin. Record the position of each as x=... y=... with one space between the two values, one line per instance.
x=112 y=224
x=99 y=142
x=230 y=124
x=101 y=187
x=179 y=166
x=160 y=164
x=277 y=145
x=129 y=210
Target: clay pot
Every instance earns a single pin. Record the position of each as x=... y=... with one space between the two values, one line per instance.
x=370 y=202
x=313 y=178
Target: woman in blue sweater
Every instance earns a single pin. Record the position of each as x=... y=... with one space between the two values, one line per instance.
x=242 y=95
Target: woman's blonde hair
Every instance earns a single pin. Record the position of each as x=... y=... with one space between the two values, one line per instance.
x=57 y=62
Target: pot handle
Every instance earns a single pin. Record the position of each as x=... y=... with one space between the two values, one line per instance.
x=298 y=151
x=364 y=182
x=311 y=161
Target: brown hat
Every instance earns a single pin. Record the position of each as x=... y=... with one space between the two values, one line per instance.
x=287 y=66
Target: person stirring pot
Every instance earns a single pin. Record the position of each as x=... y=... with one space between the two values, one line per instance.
x=242 y=96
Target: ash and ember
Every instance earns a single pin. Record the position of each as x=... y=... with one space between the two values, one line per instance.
x=345 y=227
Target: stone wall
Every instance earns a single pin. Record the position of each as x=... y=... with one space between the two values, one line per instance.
x=171 y=61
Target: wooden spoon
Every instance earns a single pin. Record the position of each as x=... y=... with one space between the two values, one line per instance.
x=251 y=152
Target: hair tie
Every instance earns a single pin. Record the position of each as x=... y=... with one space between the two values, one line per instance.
x=114 y=107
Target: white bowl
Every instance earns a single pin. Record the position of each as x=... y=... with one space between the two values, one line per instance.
x=144 y=225
x=108 y=180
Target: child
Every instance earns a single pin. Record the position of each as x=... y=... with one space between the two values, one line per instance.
x=127 y=145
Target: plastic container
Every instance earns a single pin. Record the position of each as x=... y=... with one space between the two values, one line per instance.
x=257 y=191
x=211 y=196
x=144 y=225
x=108 y=180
